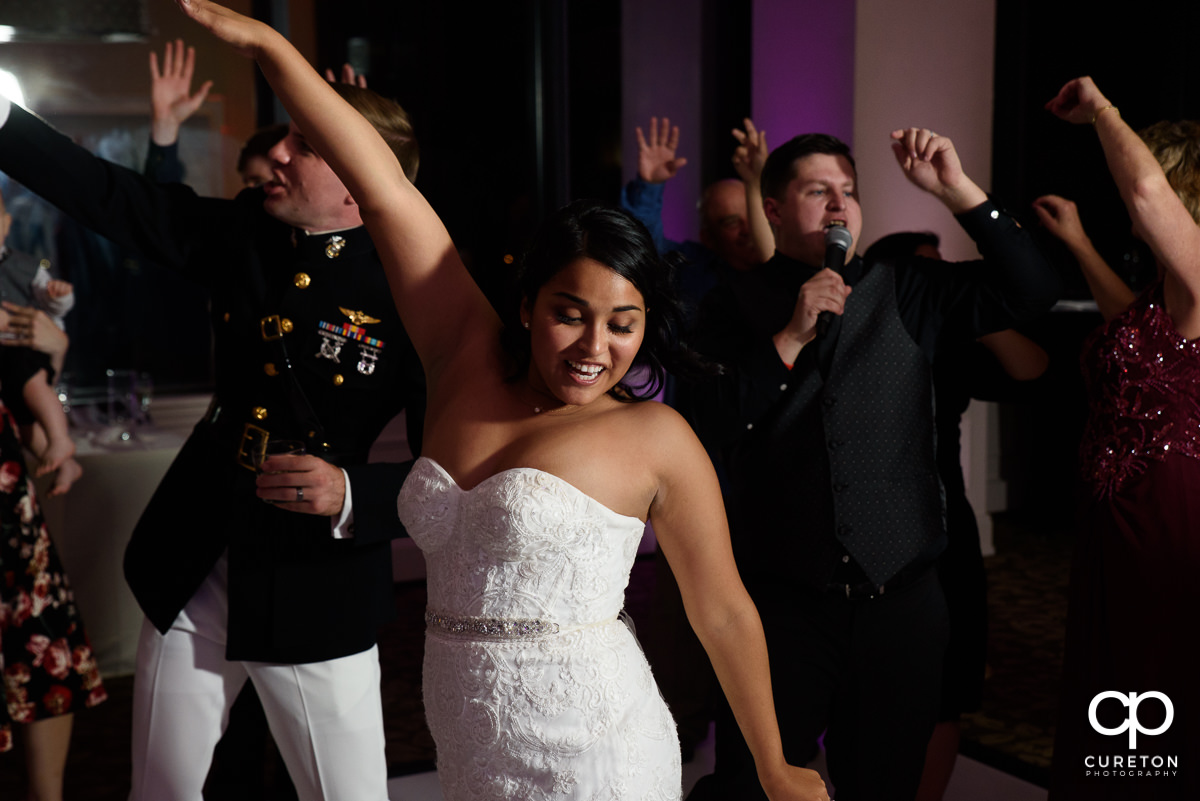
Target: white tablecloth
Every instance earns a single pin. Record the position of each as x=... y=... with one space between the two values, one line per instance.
x=91 y=525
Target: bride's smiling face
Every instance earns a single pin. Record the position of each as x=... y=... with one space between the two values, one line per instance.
x=586 y=325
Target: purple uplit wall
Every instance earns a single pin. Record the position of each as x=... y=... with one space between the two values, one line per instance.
x=803 y=68
x=661 y=71
x=925 y=63
x=930 y=63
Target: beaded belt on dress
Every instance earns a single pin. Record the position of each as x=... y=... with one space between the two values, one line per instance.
x=503 y=628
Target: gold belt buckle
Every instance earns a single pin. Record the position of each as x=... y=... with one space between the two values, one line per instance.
x=271 y=327
x=253 y=447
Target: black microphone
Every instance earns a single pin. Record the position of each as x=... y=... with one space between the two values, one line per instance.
x=837 y=242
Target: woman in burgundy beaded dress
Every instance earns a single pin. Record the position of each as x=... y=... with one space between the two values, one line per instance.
x=1129 y=720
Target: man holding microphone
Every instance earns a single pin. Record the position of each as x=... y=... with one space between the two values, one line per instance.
x=823 y=426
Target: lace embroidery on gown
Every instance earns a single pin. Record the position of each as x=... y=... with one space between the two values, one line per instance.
x=571 y=715
x=1144 y=395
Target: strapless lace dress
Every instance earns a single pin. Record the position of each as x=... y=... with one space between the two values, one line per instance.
x=534 y=686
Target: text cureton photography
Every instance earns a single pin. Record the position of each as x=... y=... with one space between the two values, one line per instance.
x=1161 y=713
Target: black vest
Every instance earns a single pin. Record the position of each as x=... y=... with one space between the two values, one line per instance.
x=847 y=457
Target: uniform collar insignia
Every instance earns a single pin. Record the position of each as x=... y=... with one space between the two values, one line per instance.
x=357 y=317
x=334 y=245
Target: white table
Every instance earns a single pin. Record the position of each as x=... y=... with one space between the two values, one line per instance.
x=90 y=527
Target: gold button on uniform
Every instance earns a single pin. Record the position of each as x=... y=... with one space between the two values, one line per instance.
x=270 y=369
x=338 y=380
x=285 y=325
x=225 y=317
x=301 y=280
x=260 y=413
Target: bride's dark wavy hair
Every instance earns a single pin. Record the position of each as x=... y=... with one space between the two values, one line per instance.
x=614 y=238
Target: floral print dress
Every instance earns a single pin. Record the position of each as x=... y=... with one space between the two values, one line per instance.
x=45 y=658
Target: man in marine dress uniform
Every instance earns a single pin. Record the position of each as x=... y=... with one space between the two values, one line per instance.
x=281 y=577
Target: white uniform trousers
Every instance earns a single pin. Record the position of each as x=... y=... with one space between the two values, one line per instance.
x=326 y=717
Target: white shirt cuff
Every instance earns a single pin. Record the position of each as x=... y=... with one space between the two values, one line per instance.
x=343 y=524
x=5 y=107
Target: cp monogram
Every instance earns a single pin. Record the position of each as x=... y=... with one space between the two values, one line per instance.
x=1131 y=723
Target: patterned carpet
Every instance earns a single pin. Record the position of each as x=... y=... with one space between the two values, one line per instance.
x=1013 y=732
x=1027 y=609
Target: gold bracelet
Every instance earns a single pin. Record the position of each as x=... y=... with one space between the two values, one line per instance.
x=1109 y=107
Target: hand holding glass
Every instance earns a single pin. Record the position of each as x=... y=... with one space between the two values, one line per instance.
x=278 y=447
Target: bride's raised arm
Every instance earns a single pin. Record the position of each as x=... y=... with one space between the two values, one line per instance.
x=439 y=302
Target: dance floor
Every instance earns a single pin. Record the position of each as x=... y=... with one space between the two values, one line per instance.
x=1008 y=741
x=1027 y=612
x=972 y=781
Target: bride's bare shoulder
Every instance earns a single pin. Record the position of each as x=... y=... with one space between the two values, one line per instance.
x=658 y=427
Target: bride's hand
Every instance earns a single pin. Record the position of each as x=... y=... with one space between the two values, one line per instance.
x=795 y=784
x=244 y=34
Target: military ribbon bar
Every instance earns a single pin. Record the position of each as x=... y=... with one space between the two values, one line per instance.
x=354 y=332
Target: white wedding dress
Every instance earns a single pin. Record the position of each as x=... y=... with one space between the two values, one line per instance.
x=534 y=686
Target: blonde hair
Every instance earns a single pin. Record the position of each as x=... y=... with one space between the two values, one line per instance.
x=390 y=120
x=1176 y=145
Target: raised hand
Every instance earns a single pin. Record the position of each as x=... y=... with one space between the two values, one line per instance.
x=348 y=75
x=656 y=157
x=931 y=163
x=171 y=98
x=751 y=152
x=1078 y=102
x=1060 y=217
x=243 y=33
x=928 y=160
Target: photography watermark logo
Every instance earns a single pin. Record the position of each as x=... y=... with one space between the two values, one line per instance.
x=1131 y=724
x=1131 y=764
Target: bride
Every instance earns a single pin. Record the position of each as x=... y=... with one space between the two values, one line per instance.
x=539 y=472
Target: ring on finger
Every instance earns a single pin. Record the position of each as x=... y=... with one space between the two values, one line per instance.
x=299 y=494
